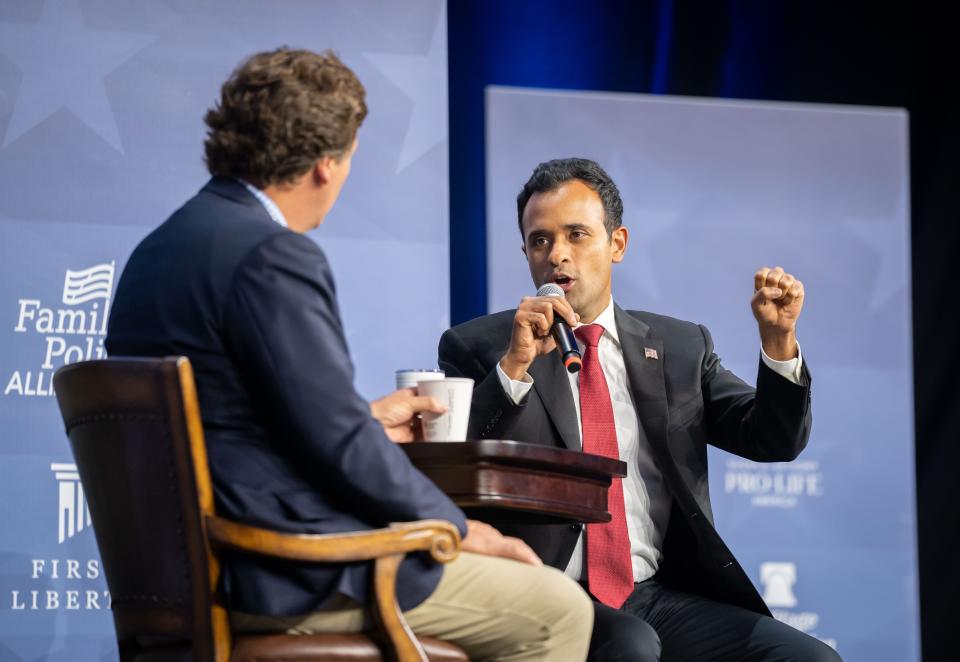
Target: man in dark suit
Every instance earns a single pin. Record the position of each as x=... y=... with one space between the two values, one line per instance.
x=653 y=393
x=231 y=281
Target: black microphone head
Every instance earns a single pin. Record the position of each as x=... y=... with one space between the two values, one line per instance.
x=550 y=290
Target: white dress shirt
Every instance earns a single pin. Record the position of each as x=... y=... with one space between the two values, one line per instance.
x=272 y=209
x=646 y=497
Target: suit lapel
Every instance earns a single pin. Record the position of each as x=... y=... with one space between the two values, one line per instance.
x=646 y=378
x=553 y=386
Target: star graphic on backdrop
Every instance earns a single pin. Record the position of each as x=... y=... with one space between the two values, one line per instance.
x=646 y=223
x=890 y=242
x=63 y=65
x=420 y=76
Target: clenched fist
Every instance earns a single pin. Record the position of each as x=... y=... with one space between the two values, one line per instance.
x=776 y=303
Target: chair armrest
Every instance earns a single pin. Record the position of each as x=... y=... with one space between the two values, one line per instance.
x=438 y=537
x=385 y=547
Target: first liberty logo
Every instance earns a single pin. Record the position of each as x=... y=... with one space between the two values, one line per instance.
x=73 y=513
x=72 y=332
x=58 y=584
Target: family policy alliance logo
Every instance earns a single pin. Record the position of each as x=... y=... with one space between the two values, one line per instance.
x=72 y=332
x=778 y=579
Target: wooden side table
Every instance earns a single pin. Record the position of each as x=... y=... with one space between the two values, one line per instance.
x=525 y=482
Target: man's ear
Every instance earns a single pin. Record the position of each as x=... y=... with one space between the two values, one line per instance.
x=523 y=247
x=322 y=170
x=618 y=244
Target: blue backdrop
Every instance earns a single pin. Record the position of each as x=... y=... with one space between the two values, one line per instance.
x=101 y=107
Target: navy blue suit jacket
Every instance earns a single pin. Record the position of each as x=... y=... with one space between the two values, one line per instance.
x=291 y=444
x=684 y=399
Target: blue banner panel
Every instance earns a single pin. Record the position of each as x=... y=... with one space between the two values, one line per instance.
x=713 y=190
x=101 y=138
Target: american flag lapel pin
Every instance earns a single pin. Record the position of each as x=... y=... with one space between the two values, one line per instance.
x=650 y=353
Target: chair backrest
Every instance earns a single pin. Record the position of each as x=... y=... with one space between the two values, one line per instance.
x=137 y=439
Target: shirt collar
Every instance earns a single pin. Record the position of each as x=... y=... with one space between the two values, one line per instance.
x=269 y=205
x=607 y=319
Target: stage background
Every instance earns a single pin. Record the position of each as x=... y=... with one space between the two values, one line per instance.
x=853 y=53
x=825 y=52
x=101 y=133
x=712 y=191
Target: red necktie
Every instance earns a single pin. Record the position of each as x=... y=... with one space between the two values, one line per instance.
x=609 y=569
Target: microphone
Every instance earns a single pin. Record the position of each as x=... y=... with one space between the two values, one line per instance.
x=562 y=333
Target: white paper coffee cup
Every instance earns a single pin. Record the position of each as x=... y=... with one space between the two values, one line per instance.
x=409 y=378
x=455 y=393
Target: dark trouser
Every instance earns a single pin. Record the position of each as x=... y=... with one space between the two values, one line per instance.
x=658 y=623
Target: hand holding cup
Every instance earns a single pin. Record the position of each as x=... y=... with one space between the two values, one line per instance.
x=454 y=393
x=397 y=413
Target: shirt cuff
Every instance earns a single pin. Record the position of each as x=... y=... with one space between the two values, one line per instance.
x=517 y=390
x=789 y=370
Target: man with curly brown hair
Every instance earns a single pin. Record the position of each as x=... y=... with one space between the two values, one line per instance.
x=230 y=281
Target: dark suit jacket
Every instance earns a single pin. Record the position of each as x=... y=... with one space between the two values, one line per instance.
x=684 y=399
x=291 y=444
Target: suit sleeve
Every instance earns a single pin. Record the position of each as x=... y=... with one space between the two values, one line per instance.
x=769 y=424
x=492 y=410
x=283 y=327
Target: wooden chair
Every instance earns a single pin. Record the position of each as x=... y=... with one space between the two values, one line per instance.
x=134 y=427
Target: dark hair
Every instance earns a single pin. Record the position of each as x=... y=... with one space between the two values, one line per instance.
x=550 y=175
x=279 y=113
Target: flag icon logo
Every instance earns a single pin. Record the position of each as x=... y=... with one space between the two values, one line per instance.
x=88 y=284
x=650 y=353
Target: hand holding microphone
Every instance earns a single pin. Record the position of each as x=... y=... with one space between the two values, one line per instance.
x=537 y=325
x=563 y=332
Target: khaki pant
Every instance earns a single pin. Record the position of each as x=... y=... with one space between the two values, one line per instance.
x=493 y=608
